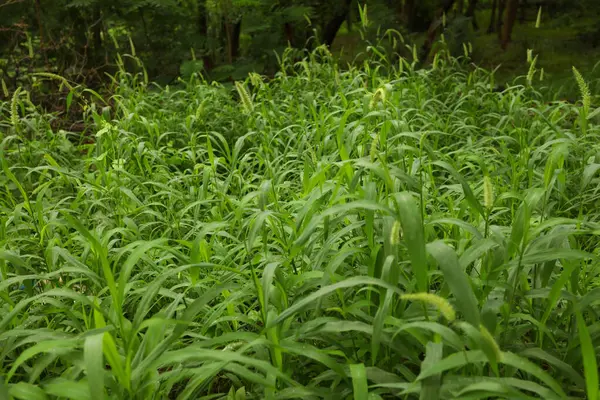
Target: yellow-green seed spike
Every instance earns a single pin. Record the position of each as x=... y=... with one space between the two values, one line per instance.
x=14 y=114
x=488 y=193
x=439 y=302
x=584 y=90
x=244 y=97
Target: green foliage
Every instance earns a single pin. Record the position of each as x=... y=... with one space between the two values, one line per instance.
x=371 y=233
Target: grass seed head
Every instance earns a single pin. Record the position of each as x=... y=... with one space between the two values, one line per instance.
x=439 y=302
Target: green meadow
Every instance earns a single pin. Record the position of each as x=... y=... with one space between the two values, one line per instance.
x=364 y=233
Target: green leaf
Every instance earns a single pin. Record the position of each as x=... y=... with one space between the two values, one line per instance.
x=92 y=355
x=453 y=361
x=65 y=388
x=27 y=391
x=590 y=363
x=527 y=366
x=412 y=229
x=457 y=280
x=430 y=386
x=359 y=381
x=465 y=186
x=310 y=299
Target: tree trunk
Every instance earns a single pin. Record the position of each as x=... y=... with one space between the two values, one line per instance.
x=232 y=30
x=492 y=25
x=512 y=7
x=202 y=23
x=38 y=12
x=523 y=11
x=331 y=28
x=500 y=18
x=408 y=14
x=288 y=31
x=349 y=19
x=460 y=6
x=97 y=36
x=445 y=6
x=78 y=32
x=471 y=13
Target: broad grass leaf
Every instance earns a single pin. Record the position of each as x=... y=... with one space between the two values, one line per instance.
x=383 y=309
x=454 y=384
x=557 y=286
x=565 y=368
x=143 y=306
x=456 y=222
x=457 y=280
x=590 y=358
x=70 y=389
x=359 y=381
x=521 y=222
x=59 y=346
x=412 y=229
x=197 y=353
x=453 y=361
x=430 y=386
x=465 y=186
x=347 y=283
x=137 y=252
x=588 y=173
x=111 y=352
x=486 y=342
x=26 y=391
x=449 y=337
x=257 y=224
x=527 y=366
x=93 y=358
x=188 y=315
x=314 y=353
x=102 y=256
x=476 y=251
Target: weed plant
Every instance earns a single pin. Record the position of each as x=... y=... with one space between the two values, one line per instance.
x=360 y=234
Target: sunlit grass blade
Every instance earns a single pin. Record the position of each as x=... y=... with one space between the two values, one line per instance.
x=457 y=280
x=412 y=229
x=359 y=381
x=590 y=358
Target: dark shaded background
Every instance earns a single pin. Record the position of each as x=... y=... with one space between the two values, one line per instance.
x=84 y=40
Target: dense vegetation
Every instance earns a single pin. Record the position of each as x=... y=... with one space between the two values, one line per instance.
x=369 y=233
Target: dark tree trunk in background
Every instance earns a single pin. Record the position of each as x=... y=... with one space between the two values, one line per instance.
x=332 y=27
x=288 y=31
x=492 y=25
x=233 y=30
x=460 y=6
x=500 y=18
x=202 y=23
x=408 y=14
x=471 y=13
x=349 y=19
x=79 y=33
x=523 y=13
x=434 y=27
x=97 y=36
x=38 y=16
x=512 y=8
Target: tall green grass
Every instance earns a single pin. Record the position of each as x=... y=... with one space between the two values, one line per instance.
x=374 y=233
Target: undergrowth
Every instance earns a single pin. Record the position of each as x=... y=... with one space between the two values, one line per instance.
x=327 y=234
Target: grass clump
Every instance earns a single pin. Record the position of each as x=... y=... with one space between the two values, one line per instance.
x=373 y=233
